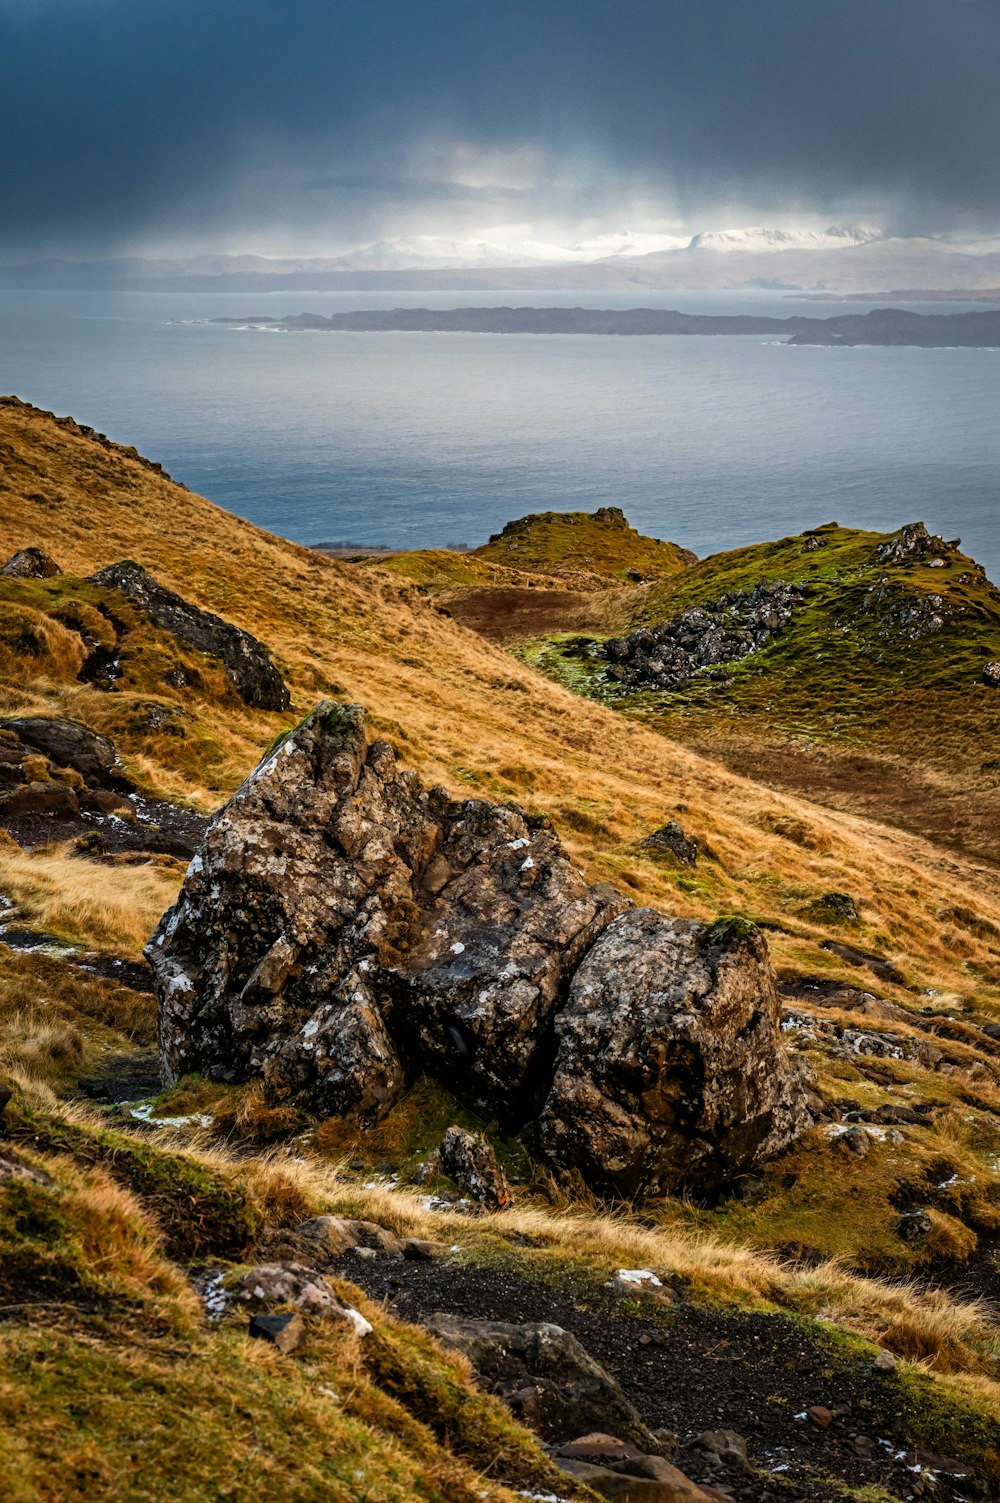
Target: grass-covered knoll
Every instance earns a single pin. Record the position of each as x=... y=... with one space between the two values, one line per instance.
x=886 y=648
x=888 y=651
x=579 y=550
x=436 y=570
x=600 y=543
x=871 y=700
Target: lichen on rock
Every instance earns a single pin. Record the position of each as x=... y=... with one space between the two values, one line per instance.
x=344 y=930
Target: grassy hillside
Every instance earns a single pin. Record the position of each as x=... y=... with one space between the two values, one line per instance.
x=577 y=549
x=460 y=711
x=880 y=670
x=600 y=543
x=891 y=1016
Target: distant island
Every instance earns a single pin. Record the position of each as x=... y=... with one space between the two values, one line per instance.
x=883 y=326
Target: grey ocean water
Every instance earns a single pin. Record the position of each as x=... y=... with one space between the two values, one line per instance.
x=426 y=439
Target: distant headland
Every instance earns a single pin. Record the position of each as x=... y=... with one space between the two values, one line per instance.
x=882 y=326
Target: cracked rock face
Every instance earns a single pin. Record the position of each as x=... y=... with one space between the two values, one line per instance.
x=344 y=930
x=667 y=1071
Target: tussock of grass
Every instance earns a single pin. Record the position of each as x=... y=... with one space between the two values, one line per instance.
x=79 y=1237
x=219 y=1416
x=107 y=907
x=200 y=1211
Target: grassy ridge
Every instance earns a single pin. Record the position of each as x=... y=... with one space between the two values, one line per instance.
x=463 y=713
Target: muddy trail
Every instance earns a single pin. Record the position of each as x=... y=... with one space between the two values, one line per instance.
x=689 y=1368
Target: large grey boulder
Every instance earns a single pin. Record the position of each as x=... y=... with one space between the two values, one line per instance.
x=668 y=1070
x=344 y=930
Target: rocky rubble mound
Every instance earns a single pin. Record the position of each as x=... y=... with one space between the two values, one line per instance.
x=30 y=563
x=247 y=662
x=913 y=543
x=344 y=930
x=666 y=656
x=60 y=780
x=58 y=768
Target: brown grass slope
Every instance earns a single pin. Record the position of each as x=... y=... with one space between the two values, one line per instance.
x=463 y=713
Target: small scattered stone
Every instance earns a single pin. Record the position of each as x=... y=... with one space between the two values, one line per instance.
x=283 y=1331
x=857 y=1141
x=914 y=1225
x=419 y=1250
x=821 y=1416
x=469 y=1160
x=727 y=1445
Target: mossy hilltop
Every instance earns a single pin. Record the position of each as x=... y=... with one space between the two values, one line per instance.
x=115 y=1384
x=880 y=668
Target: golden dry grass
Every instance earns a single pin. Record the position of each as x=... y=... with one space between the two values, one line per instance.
x=464 y=713
x=109 y=907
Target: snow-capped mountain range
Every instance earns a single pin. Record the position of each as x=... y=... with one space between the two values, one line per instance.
x=834 y=261
x=431 y=251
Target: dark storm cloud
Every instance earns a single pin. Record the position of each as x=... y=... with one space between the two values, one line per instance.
x=126 y=121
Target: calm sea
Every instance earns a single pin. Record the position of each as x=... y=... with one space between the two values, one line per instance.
x=424 y=439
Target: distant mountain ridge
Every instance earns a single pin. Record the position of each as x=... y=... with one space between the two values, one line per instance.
x=837 y=259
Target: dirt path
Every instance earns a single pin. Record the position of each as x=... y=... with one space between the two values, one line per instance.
x=690 y=1369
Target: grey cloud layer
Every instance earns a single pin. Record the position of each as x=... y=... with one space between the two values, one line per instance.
x=123 y=120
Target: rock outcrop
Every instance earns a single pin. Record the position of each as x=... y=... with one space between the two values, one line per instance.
x=914 y=543
x=545 y=1376
x=666 y=1071
x=667 y=656
x=247 y=662
x=343 y=930
x=30 y=563
x=69 y=743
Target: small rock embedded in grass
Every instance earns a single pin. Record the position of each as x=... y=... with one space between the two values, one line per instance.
x=283 y=1331
x=469 y=1160
x=671 y=838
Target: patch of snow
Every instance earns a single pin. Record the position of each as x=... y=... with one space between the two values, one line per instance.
x=527 y=863
x=143 y=1112
x=518 y=845
x=458 y=948
x=214 y=1296
x=362 y=1326
x=310 y=1028
x=638 y=1276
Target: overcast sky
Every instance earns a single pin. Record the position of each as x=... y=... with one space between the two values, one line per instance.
x=303 y=126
